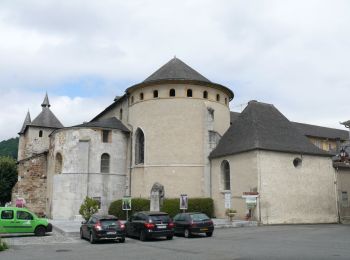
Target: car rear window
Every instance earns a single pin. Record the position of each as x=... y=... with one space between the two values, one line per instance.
x=108 y=222
x=159 y=218
x=199 y=217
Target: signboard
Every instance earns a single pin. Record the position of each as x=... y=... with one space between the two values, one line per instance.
x=126 y=203
x=183 y=201
x=250 y=198
x=20 y=202
x=228 y=200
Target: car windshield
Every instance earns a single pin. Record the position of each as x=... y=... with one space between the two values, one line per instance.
x=199 y=217
x=108 y=222
x=159 y=218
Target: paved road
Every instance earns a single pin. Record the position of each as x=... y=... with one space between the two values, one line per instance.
x=271 y=242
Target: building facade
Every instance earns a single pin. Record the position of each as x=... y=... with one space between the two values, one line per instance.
x=175 y=128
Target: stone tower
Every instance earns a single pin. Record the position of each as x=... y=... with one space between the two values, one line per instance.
x=33 y=148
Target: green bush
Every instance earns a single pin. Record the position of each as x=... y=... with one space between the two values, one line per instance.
x=3 y=245
x=88 y=208
x=171 y=206
x=205 y=205
x=137 y=204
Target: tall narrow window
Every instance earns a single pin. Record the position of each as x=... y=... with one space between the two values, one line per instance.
x=121 y=114
x=225 y=101
x=205 y=94
x=40 y=133
x=172 y=92
x=141 y=96
x=189 y=92
x=105 y=158
x=58 y=163
x=344 y=199
x=106 y=136
x=132 y=99
x=225 y=173
x=217 y=97
x=139 y=146
x=155 y=93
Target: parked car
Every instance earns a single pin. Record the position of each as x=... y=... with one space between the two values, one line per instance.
x=21 y=220
x=193 y=223
x=149 y=224
x=102 y=227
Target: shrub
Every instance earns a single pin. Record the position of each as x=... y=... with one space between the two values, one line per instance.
x=137 y=204
x=88 y=208
x=3 y=245
x=205 y=205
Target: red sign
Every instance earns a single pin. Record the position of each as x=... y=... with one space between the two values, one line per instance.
x=247 y=193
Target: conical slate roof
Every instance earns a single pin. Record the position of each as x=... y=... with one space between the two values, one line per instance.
x=262 y=126
x=46 y=102
x=26 y=122
x=176 y=69
x=47 y=119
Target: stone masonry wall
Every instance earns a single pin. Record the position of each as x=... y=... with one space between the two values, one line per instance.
x=32 y=183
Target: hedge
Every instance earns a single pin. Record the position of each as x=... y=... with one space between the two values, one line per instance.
x=137 y=204
x=171 y=206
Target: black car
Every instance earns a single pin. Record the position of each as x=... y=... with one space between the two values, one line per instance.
x=102 y=227
x=149 y=224
x=193 y=223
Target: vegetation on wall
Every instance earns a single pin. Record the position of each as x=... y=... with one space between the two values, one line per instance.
x=8 y=178
x=9 y=147
x=171 y=206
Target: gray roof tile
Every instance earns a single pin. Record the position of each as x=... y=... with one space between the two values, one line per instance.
x=46 y=119
x=112 y=123
x=262 y=126
x=26 y=122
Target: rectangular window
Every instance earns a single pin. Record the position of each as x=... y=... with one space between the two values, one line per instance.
x=106 y=136
x=7 y=214
x=344 y=199
x=24 y=215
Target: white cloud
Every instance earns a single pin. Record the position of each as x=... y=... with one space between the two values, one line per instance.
x=293 y=54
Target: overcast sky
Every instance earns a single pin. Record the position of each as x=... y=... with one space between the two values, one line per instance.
x=293 y=54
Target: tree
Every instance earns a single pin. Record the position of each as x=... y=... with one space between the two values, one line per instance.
x=8 y=178
x=88 y=208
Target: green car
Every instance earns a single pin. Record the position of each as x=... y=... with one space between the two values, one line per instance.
x=21 y=220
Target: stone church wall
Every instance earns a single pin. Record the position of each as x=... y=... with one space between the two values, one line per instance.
x=32 y=181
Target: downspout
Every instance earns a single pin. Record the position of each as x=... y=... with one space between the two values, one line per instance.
x=336 y=193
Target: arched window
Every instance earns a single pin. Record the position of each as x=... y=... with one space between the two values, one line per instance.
x=58 y=163
x=40 y=133
x=217 y=97
x=225 y=175
x=172 y=92
x=141 y=96
x=155 y=93
x=189 y=92
x=205 y=94
x=105 y=158
x=139 y=146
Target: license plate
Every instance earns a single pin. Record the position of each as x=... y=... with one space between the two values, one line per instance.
x=161 y=226
x=111 y=233
x=204 y=229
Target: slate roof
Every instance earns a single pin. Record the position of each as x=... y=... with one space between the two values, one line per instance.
x=176 y=71
x=46 y=119
x=262 y=127
x=111 y=123
x=320 y=131
x=310 y=130
x=26 y=122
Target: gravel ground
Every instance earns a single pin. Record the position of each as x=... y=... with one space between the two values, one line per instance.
x=16 y=240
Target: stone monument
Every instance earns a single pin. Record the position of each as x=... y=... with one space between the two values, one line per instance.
x=157 y=196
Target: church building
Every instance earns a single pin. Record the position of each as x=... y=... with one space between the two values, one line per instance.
x=175 y=128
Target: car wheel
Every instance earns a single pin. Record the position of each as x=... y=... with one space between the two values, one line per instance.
x=40 y=231
x=169 y=237
x=143 y=235
x=209 y=234
x=81 y=234
x=187 y=233
x=122 y=240
x=92 y=239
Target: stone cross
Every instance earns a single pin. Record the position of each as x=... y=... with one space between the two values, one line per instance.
x=157 y=196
